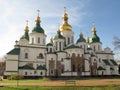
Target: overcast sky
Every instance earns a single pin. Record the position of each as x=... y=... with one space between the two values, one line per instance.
x=14 y=13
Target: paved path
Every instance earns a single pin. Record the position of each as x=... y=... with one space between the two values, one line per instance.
x=62 y=83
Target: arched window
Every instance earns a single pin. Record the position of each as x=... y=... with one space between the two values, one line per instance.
x=73 y=68
x=40 y=56
x=32 y=40
x=98 y=47
x=25 y=73
x=68 y=40
x=26 y=55
x=35 y=72
x=99 y=60
x=60 y=46
x=41 y=73
x=38 y=39
x=94 y=48
x=62 y=70
x=50 y=49
x=56 y=45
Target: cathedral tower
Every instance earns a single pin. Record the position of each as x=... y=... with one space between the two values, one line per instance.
x=66 y=30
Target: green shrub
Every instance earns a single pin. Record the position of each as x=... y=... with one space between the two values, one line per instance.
x=15 y=77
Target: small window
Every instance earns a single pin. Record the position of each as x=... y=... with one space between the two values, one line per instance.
x=68 y=40
x=99 y=60
x=38 y=39
x=41 y=73
x=51 y=71
x=26 y=55
x=25 y=73
x=32 y=40
x=35 y=72
x=62 y=71
x=62 y=59
x=50 y=49
x=40 y=56
x=73 y=68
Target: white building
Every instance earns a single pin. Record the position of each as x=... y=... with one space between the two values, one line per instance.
x=31 y=55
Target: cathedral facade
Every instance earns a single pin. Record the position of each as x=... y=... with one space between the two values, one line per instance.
x=62 y=56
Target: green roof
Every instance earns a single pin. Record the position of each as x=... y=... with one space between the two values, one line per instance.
x=100 y=68
x=81 y=40
x=41 y=67
x=27 y=67
x=50 y=44
x=106 y=62
x=113 y=62
x=95 y=38
x=25 y=36
x=15 y=51
x=38 y=28
x=59 y=36
x=72 y=46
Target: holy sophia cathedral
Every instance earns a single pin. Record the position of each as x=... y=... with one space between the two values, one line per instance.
x=31 y=56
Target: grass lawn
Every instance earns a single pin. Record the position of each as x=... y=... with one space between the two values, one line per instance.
x=111 y=87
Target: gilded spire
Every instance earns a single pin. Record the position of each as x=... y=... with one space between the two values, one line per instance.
x=81 y=35
x=87 y=38
x=38 y=18
x=51 y=39
x=58 y=31
x=93 y=28
x=65 y=17
x=26 y=28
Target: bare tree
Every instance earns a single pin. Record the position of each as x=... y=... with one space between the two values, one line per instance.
x=116 y=42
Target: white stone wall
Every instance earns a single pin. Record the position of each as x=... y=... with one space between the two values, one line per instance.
x=32 y=72
x=11 y=65
x=68 y=34
x=35 y=36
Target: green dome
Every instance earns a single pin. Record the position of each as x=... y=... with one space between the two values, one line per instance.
x=38 y=28
x=25 y=36
x=81 y=38
x=49 y=44
x=58 y=35
x=95 y=38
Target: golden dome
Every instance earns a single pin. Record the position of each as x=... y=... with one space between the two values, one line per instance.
x=27 y=28
x=93 y=29
x=81 y=35
x=65 y=26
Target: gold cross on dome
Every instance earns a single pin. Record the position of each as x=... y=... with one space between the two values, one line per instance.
x=38 y=11
x=93 y=24
x=65 y=9
x=27 y=22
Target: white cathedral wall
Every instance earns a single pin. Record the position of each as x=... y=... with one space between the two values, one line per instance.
x=107 y=71
x=23 y=42
x=12 y=57
x=33 y=53
x=61 y=56
x=32 y=72
x=69 y=34
x=96 y=46
x=11 y=65
x=36 y=36
x=76 y=51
